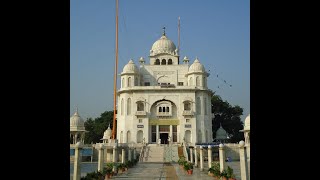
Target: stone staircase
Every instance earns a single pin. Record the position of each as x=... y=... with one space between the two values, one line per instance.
x=153 y=154
x=171 y=154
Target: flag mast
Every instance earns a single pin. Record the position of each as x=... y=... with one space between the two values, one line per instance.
x=179 y=34
x=114 y=127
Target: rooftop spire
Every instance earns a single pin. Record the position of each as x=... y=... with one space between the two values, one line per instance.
x=76 y=113
x=164 y=31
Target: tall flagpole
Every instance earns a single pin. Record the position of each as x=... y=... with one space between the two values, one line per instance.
x=114 y=127
x=179 y=34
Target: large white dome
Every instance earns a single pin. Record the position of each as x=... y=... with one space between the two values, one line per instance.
x=130 y=67
x=196 y=66
x=76 y=122
x=163 y=45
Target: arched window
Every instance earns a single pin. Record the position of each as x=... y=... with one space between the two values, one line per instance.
x=187 y=106
x=121 y=106
x=205 y=106
x=160 y=109
x=140 y=106
x=198 y=105
x=157 y=62
x=169 y=61
x=207 y=137
x=163 y=109
x=128 y=137
x=129 y=81
x=197 y=81
x=122 y=83
x=187 y=136
x=167 y=109
x=129 y=107
x=136 y=81
x=139 y=136
x=191 y=81
x=121 y=137
x=204 y=82
x=163 y=62
x=200 y=137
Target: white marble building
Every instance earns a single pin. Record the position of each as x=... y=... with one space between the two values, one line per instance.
x=164 y=99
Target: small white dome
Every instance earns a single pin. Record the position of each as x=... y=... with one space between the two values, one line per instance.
x=221 y=133
x=107 y=133
x=196 y=66
x=163 y=45
x=76 y=122
x=241 y=143
x=130 y=67
x=247 y=123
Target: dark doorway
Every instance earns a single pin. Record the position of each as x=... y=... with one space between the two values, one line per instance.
x=164 y=138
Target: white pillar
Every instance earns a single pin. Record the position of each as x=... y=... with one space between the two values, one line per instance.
x=170 y=135
x=191 y=154
x=243 y=162
x=129 y=154
x=100 y=157
x=222 y=158
x=158 y=135
x=209 y=156
x=195 y=157
x=123 y=156
x=201 y=158
x=77 y=162
x=76 y=137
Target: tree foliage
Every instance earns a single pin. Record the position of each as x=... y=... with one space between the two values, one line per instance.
x=228 y=116
x=97 y=126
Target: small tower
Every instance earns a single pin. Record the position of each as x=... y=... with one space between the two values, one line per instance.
x=141 y=60
x=221 y=134
x=77 y=129
x=197 y=75
x=185 y=60
x=107 y=135
x=130 y=75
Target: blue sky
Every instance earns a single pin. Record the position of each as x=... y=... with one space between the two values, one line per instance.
x=215 y=31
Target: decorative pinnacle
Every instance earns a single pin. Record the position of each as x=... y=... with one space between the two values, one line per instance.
x=164 y=31
x=76 y=113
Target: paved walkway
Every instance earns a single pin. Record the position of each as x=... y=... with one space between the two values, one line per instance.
x=169 y=171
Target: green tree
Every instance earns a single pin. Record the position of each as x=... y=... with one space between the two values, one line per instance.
x=228 y=116
x=97 y=127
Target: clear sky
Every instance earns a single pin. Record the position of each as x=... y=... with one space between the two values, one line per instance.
x=215 y=31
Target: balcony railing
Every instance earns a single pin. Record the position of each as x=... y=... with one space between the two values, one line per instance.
x=141 y=113
x=188 y=113
x=166 y=85
x=164 y=114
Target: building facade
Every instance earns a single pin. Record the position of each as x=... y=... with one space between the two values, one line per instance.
x=164 y=101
